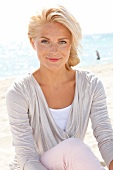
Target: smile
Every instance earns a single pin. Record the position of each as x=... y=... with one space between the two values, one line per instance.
x=54 y=59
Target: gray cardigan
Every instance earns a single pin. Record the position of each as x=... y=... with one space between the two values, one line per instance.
x=34 y=129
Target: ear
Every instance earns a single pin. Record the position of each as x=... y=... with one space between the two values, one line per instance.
x=32 y=43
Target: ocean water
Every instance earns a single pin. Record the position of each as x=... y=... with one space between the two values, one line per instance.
x=18 y=57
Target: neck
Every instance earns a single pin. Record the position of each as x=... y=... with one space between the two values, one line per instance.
x=52 y=77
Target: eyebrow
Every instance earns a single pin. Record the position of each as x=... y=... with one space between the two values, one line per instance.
x=45 y=38
x=58 y=39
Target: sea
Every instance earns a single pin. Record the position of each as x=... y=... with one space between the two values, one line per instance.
x=17 y=56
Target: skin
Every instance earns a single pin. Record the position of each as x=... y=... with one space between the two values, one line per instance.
x=111 y=166
x=52 y=45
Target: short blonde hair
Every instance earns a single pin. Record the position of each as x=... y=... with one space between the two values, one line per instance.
x=61 y=15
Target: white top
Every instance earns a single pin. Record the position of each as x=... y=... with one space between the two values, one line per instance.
x=60 y=116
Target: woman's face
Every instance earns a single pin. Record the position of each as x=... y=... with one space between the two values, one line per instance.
x=52 y=44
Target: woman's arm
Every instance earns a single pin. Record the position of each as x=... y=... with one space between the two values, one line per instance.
x=101 y=124
x=17 y=107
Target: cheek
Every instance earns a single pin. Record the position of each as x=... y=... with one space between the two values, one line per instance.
x=42 y=52
x=67 y=51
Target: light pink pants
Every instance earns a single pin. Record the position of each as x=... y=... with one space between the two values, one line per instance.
x=71 y=154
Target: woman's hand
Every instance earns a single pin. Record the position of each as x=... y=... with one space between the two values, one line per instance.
x=111 y=165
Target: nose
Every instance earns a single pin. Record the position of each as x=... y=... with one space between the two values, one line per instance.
x=54 y=48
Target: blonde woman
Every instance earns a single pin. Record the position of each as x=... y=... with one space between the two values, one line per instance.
x=49 y=109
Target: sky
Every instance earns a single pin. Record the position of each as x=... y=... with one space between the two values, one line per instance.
x=94 y=16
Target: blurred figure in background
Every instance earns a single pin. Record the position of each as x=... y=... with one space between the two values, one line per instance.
x=98 y=55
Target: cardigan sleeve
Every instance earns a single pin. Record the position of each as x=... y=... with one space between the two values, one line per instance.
x=101 y=124
x=17 y=108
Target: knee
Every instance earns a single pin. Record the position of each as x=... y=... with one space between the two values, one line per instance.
x=76 y=153
x=74 y=147
x=73 y=144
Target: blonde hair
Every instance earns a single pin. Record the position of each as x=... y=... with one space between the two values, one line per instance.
x=61 y=15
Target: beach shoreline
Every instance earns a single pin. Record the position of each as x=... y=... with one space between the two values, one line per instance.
x=104 y=72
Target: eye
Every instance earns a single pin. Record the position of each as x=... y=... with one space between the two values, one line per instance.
x=62 y=42
x=44 y=41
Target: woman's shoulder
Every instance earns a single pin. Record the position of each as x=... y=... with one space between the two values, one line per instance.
x=20 y=83
x=21 y=80
x=18 y=91
x=87 y=78
x=90 y=81
x=86 y=74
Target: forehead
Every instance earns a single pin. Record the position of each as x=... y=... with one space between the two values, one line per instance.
x=54 y=29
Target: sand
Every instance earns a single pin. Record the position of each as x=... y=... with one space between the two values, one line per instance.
x=104 y=72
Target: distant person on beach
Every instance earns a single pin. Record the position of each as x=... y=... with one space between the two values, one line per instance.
x=49 y=109
x=98 y=55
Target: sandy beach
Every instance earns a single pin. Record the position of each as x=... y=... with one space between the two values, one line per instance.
x=104 y=72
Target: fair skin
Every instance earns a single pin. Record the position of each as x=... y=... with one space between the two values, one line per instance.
x=53 y=44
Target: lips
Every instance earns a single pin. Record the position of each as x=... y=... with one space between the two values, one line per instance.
x=54 y=59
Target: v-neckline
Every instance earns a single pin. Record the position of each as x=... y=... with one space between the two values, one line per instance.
x=46 y=104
